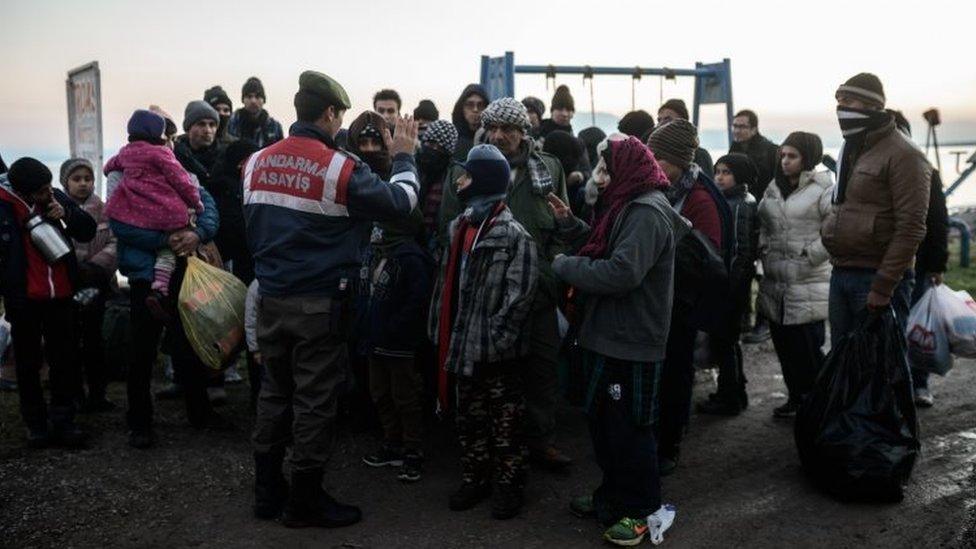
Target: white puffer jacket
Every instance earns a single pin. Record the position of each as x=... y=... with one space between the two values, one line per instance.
x=796 y=266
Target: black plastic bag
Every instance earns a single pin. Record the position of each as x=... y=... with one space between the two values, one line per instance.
x=857 y=431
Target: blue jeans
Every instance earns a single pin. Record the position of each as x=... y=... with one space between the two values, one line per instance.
x=849 y=289
x=920 y=378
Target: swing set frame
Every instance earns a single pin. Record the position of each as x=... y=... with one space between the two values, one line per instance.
x=713 y=81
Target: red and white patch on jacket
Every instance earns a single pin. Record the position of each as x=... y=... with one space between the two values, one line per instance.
x=299 y=173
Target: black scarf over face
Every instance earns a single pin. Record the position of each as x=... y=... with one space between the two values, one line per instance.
x=855 y=125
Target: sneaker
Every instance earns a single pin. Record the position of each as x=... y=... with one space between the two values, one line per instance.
x=923 y=398
x=385 y=456
x=468 y=495
x=217 y=396
x=786 y=411
x=583 y=506
x=95 y=405
x=412 y=468
x=142 y=439
x=170 y=392
x=627 y=532
x=69 y=436
x=232 y=376
x=719 y=407
x=550 y=458
x=38 y=438
x=758 y=334
x=506 y=501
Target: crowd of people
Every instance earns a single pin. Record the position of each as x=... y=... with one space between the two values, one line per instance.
x=457 y=266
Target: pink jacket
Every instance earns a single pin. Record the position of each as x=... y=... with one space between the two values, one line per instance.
x=155 y=192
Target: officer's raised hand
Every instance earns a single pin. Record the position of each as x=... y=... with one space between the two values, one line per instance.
x=404 y=136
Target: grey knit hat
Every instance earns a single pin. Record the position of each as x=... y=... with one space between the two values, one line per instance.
x=197 y=111
x=71 y=165
x=675 y=142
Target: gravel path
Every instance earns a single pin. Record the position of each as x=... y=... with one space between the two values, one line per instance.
x=739 y=485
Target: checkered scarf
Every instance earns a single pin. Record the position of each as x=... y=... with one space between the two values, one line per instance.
x=443 y=133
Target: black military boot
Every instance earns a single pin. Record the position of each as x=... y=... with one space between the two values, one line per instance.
x=309 y=505
x=270 y=487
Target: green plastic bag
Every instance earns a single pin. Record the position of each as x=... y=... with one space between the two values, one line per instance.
x=212 y=310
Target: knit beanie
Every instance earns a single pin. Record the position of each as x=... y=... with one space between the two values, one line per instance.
x=443 y=133
x=676 y=105
x=636 y=123
x=742 y=168
x=506 y=112
x=809 y=145
x=28 y=175
x=253 y=85
x=426 y=110
x=72 y=164
x=866 y=87
x=565 y=147
x=489 y=172
x=534 y=104
x=562 y=99
x=148 y=126
x=197 y=111
x=217 y=96
x=171 y=128
x=675 y=142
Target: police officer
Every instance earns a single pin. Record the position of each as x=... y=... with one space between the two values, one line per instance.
x=308 y=208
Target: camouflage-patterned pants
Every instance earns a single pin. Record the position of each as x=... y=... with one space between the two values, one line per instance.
x=489 y=417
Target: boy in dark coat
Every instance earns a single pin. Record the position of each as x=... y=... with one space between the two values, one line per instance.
x=734 y=173
x=395 y=282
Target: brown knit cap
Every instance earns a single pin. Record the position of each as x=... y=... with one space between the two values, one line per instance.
x=562 y=99
x=675 y=142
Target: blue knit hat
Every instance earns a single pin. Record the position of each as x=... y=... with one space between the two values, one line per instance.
x=147 y=126
x=489 y=172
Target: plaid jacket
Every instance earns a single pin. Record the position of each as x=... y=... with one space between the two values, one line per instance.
x=495 y=290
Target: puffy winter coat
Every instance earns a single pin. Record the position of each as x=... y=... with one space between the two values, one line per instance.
x=796 y=280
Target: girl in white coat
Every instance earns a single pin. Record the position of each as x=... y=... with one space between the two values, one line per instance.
x=793 y=292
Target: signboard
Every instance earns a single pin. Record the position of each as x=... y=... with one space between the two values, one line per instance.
x=84 y=93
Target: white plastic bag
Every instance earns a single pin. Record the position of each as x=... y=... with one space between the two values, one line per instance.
x=928 y=342
x=959 y=311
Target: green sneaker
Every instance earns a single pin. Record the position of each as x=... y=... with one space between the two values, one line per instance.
x=582 y=506
x=627 y=532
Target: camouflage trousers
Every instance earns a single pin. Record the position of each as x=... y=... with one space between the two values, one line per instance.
x=490 y=409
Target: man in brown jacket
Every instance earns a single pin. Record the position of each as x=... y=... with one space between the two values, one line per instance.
x=880 y=203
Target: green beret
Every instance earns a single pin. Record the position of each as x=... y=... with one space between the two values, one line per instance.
x=321 y=85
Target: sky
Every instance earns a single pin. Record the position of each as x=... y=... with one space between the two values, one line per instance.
x=787 y=57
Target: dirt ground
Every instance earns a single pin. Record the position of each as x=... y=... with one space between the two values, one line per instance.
x=739 y=485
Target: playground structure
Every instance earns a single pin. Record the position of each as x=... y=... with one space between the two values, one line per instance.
x=713 y=81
